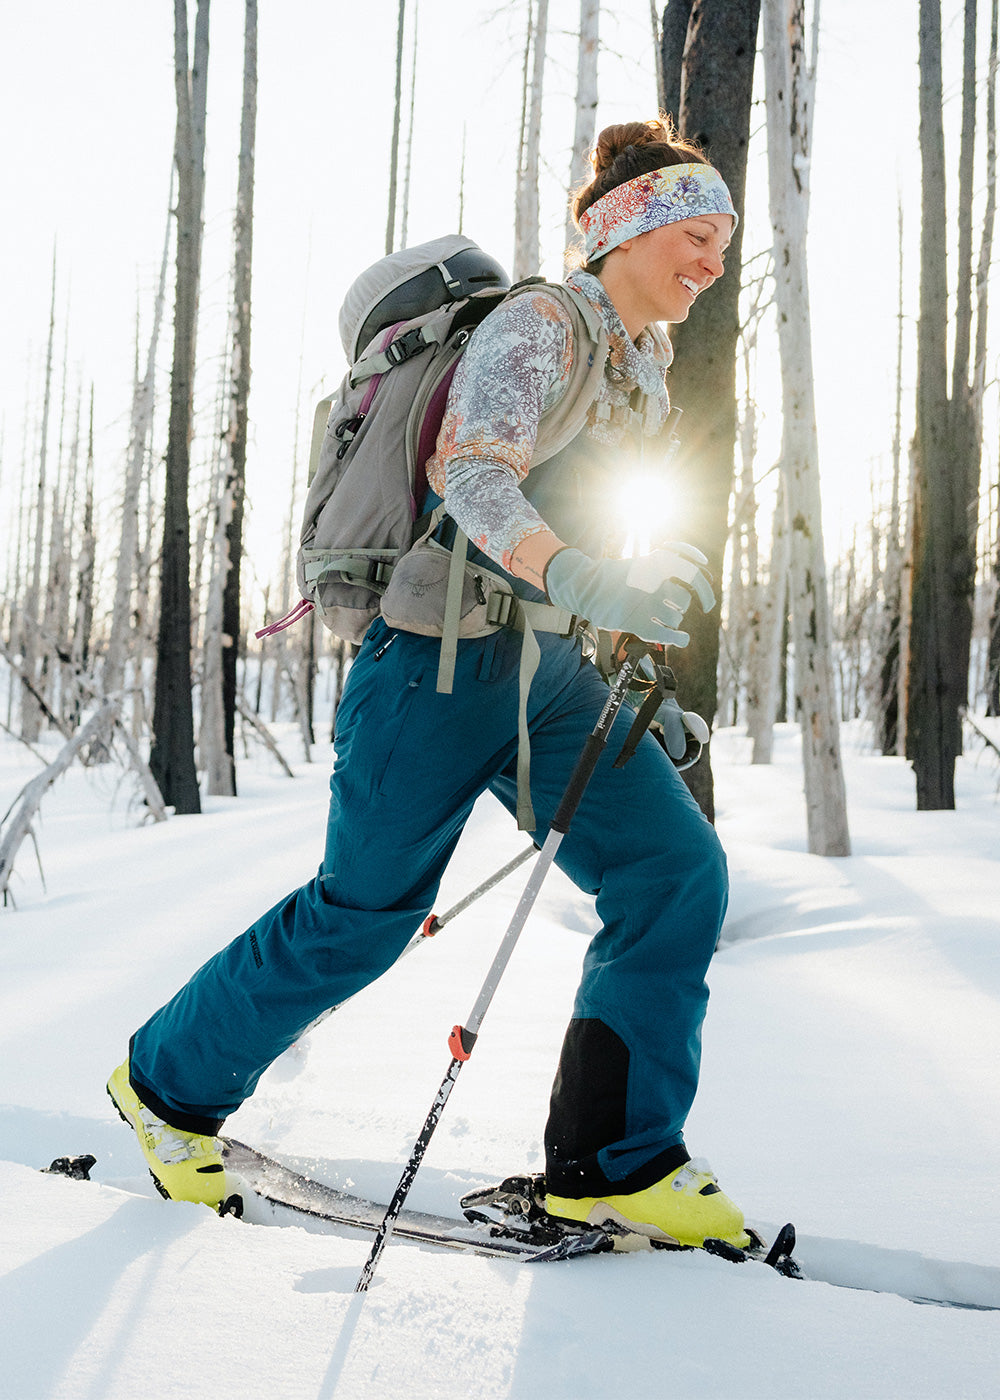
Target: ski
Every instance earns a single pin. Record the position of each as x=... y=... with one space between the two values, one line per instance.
x=508 y=1220
x=279 y=1185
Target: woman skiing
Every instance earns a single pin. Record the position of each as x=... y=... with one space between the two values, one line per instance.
x=411 y=761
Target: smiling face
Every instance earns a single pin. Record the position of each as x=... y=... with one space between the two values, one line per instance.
x=657 y=275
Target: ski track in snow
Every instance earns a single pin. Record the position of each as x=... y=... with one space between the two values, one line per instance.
x=849 y=1084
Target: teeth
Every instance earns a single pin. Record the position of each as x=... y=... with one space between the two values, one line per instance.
x=691 y=286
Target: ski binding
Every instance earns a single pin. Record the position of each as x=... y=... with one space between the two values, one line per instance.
x=516 y=1209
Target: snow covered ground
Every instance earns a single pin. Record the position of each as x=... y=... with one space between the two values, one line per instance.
x=850 y=1084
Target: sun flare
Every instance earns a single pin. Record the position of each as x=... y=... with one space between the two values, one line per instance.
x=647 y=506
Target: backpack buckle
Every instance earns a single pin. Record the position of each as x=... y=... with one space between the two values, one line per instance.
x=502 y=607
x=378 y=572
x=405 y=347
x=347 y=432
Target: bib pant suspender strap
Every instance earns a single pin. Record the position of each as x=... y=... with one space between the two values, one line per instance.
x=526 y=617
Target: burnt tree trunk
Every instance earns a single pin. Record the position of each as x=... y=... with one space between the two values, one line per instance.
x=172 y=755
x=946 y=448
x=714 y=87
x=673 y=36
x=241 y=377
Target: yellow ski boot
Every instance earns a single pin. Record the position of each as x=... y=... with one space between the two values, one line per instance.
x=184 y=1166
x=684 y=1208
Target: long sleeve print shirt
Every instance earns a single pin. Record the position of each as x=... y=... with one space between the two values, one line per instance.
x=515 y=368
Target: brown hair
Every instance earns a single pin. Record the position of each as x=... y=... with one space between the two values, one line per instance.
x=627 y=150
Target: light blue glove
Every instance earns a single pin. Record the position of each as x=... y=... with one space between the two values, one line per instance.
x=647 y=596
x=685 y=733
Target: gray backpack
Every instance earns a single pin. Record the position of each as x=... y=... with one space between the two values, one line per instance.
x=366 y=545
x=372 y=439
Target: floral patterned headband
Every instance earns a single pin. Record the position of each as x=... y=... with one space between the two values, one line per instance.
x=646 y=202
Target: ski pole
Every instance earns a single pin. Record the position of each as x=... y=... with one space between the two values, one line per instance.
x=433 y=922
x=462 y=1039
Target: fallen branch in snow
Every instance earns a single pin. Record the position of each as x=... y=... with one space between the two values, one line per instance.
x=261 y=729
x=990 y=743
x=154 y=797
x=25 y=806
x=21 y=740
x=30 y=796
x=28 y=684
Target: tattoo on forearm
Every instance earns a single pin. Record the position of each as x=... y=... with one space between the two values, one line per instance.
x=528 y=571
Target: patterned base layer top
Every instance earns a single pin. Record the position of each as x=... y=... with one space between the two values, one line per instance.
x=515 y=368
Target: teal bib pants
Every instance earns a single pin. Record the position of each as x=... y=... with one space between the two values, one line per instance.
x=410 y=764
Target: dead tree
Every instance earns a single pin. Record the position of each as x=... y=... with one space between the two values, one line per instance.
x=404 y=220
x=586 y=103
x=982 y=282
x=743 y=631
x=172 y=754
x=993 y=643
x=140 y=430
x=946 y=442
x=526 y=218
x=83 y=620
x=390 y=223
x=55 y=609
x=31 y=716
x=673 y=31
x=708 y=49
x=211 y=541
x=890 y=695
x=790 y=81
x=21 y=814
x=765 y=685
x=219 y=763
x=654 y=21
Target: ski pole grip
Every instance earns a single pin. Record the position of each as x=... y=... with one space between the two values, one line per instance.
x=596 y=740
x=581 y=776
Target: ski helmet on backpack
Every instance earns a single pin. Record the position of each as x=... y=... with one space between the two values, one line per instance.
x=412 y=282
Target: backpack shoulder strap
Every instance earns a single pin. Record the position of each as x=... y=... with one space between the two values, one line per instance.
x=567 y=417
x=321 y=416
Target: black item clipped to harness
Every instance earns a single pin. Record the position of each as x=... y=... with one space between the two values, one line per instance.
x=659 y=689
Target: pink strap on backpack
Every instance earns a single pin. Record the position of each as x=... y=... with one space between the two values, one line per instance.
x=302 y=609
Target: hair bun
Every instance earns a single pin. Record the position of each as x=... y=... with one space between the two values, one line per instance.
x=615 y=140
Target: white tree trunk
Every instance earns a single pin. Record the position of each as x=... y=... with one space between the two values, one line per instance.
x=789 y=110
x=56 y=573
x=895 y=690
x=31 y=714
x=765 y=650
x=404 y=226
x=83 y=619
x=989 y=218
x=526 y=224
x=586 y=105
x=657 y=31
x=139 y=435
x=217 y=772
x=390 y=223
x=741 y=591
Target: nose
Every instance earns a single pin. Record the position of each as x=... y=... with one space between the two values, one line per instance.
x=712 y=262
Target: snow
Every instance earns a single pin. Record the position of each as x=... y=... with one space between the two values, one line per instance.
x=850 y=1084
